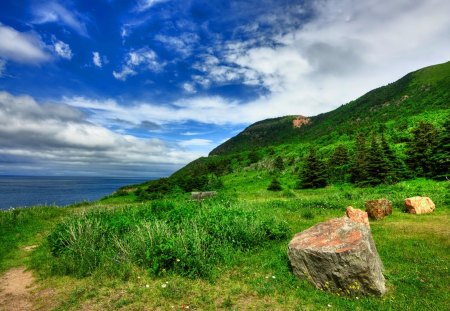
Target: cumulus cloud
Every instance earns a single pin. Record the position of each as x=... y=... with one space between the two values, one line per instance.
x=344 y=50
x=53 y=12
x=189 y=88
x=21 y=47
x=135 y=60
x=58 y=136
x=62 y=49
x=96 y=59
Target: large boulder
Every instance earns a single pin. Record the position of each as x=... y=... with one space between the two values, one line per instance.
x=378 y=209
x=419 y=205
x=339 y=255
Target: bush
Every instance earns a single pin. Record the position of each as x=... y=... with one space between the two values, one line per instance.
x=274 y=185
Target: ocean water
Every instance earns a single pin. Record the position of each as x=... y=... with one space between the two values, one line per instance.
x=20 y=191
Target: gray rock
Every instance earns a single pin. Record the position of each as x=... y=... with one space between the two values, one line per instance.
x=202 y=195
x=340 y=256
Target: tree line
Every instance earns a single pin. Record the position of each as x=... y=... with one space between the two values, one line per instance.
x=374 y=162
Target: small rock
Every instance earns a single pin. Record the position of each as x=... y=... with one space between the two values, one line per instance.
x=339 y=255
x=378 y=209
x=357 y=215
x=419 y=205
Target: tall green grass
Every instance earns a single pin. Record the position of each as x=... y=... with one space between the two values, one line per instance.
x=186 y=238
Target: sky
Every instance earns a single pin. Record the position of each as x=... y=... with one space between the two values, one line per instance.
x=142 y=87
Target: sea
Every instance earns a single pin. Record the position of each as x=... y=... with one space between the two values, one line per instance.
x=25 y=191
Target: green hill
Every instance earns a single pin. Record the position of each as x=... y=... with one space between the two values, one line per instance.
x=424 y=90
x=275 y=148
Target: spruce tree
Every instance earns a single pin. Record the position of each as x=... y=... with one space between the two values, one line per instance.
x=441 y=158
x=338 y=164
x=358 y=167
x=314 y=173
x=279 y=164
x=396 y=167
x=377 y=164
x=421 y=149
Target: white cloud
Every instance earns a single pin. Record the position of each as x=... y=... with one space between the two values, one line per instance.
x=195 y=142
x=53 y=12
x=140 y=59
x=21 y=47
x=96 y=59
x=343 y=51
x=183 y=43
x=62 y=49
x=2 y=67
x=56 y=135
x=144 y=5
x=189 y=88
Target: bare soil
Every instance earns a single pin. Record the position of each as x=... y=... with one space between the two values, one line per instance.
x=15 y=290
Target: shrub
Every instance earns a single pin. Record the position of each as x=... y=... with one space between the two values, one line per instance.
x=274 y=185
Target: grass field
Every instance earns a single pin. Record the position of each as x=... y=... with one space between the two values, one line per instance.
x=225 y=253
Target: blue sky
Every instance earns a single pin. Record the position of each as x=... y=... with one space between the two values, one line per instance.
x=140 y=88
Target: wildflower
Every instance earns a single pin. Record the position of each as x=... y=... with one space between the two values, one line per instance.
x=147 y=285
x=164 y=285
x=329 y=305
x=178 y=260
x=357 y=297
x=273 y=277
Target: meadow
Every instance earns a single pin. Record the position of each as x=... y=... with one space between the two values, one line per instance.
x=226 y=253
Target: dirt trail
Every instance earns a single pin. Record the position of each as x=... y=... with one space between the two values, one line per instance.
x=15 y=290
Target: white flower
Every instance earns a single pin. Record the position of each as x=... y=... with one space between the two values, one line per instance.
x=147 y=285
x=164 y=285
x=273 y=277
x=329 y=305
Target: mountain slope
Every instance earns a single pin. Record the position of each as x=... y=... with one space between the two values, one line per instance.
x=423 y=90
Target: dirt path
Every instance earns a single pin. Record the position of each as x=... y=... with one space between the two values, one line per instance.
x=15 y=290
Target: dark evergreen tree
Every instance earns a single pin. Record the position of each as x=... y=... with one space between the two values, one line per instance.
x=314 y=172
x=338 y=164
x=274 y=185
x=253 y=156
x=421 y=149
x=377 y=165
x=279 y=164
x=441 y=157
x=358 y=167
x=397 y=169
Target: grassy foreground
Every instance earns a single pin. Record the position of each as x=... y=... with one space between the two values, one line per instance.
x=225 y=253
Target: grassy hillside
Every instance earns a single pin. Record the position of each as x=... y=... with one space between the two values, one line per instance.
x=416 y=93
x=395 y=110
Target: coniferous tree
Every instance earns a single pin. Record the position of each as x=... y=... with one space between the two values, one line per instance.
x=253 y=156
x=377 y=165
x=338 y=164
x=279 y=164
x=421 y=149
x=358 y=167
x=441 y=158
x=396 y=167
x=314 y=173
